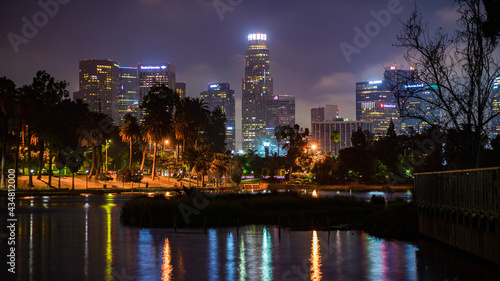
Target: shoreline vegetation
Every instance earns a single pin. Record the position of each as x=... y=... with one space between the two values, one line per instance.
x=291 y=210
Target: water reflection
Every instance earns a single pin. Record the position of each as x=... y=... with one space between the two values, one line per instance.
x=315 y=258
x=84 y=240
x=167 y=262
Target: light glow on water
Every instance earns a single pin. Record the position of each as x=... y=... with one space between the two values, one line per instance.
x=167 y=269
x=267 y=267
x=315 y=257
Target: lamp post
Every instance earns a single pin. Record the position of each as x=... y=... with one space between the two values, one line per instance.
x=108 y=142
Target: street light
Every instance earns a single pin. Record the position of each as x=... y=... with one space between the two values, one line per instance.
x=107 y=144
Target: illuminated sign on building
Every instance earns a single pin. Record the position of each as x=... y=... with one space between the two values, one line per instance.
x=153 y=67
x=276 y=97
x=387 y=105
x=257 y=36
x=214 y=86
x=375 y=82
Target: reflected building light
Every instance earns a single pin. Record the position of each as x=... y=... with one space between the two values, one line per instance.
x=213 y=263
x=109 y=241
x=267 y=268
x=242 y=268
x=166 y=274
x=86 y=265
x=31 y=248
x=146 y=258
x=230 y=266
x=340 y=256
x=376 y=257
x=315 y=258
x=411 y=262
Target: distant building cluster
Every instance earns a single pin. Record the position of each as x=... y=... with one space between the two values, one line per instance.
x=117 y=90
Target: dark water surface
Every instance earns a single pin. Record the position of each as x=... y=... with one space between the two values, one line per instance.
x=81 y=238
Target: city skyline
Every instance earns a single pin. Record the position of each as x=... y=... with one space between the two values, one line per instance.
x=308 y=57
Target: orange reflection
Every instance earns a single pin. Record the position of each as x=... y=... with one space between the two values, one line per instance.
x=166 y=274
x=315 y=258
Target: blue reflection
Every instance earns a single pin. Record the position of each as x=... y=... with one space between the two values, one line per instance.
x=267 y=269
x=145 y=253
x=230 y=266
x=213 y=263
x=411 y=262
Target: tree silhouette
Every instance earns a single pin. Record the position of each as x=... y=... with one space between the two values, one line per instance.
x=457 y=69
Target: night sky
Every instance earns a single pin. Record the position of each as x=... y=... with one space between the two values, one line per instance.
x=304 y=38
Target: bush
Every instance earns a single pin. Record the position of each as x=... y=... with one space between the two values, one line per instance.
x=377 y=200
x=125 y=175
x=105 y=177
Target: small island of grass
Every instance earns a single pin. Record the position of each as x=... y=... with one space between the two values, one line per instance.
x=287 y=210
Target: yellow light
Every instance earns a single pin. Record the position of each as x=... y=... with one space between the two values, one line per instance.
x=315 y=194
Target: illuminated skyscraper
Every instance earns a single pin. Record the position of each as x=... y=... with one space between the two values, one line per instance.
x=257 y=84
x=100 y=86
x=221 y=94
x=128 y=99
x=180 y=89
x=280 y=111
x=495 y=108
x=324 y=113
x=322 y=133
x=155 y=74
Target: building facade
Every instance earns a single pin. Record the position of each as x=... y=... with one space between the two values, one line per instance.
x=154 y=75
x=100 y=86
x=280 y=111
x=180 y=89
x=221 y=94
x=495 y=109
x=322 y=133
x=128 y=99
x=257 y=85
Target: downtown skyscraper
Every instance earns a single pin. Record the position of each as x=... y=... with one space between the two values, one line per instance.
x=221 y=95
x=100 y=86
x=257 y=85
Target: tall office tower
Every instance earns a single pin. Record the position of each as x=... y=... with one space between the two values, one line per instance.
x=100 y=86
x=375 y=101
x=221 y=94
x=180 y=89
x=495 y=108
x=280 y=111
x=128 y=100
x=155 y=74
x=322 y=133
x=420 y=105
x=324 y=113
x=257 y=84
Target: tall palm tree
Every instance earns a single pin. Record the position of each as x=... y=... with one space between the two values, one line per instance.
x=279 y=133
x=190 y=116
x=27 y=109
x=130 y=131
x=158 y=106
x=91 y=135
x=335 y=138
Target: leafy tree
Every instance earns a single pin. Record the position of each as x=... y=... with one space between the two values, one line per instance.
x=458 y=69
x=8 y=95
x=279 y=133
x=296 y=144
x=215 y=131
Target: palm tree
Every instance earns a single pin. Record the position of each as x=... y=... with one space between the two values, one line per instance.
x=129 y=131
x=335 y=138
x=91 y=135
x=27 y=110
x=279 y=133
x=158 y=106
x=218 y=166
x=190 y=116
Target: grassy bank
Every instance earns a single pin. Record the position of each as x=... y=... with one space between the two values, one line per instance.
x=289 y=210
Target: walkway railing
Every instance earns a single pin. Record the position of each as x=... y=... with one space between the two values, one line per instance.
x=477 y=189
